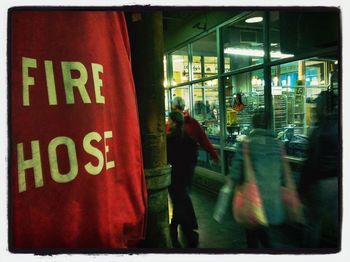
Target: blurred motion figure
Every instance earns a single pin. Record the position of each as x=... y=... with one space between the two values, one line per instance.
x=319 y=181
x=266 y=157
x=182 y=155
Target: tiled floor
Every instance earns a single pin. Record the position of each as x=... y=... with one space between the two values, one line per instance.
x=212 y=234
x=227 y=236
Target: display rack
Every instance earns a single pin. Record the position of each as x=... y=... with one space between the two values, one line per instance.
x=299 y=114
x=252 y=102
x=296 y=110
x=279 y=112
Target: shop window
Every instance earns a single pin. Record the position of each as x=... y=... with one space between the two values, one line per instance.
x=243 y=42
x=295 y=86
x=197 y=67
x=275 y=38
x=244 y=93
x=206 y=108
x=204 y=62
x=180 y=71
x=210 y=66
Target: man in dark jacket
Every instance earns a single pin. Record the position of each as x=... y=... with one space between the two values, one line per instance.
x=194 y=129
x=182 y=155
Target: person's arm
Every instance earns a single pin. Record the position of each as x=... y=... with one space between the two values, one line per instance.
x=205 y=143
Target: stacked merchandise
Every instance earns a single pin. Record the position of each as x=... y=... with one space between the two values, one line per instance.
x=279 y=112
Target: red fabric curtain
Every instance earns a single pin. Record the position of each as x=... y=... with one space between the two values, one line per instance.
x=76 y=168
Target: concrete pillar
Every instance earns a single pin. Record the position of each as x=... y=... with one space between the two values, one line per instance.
x=146 y=38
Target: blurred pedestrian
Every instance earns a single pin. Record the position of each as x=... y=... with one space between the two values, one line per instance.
x=182 y=155
x=265 y=153
x=320 y=176
x=193 y=129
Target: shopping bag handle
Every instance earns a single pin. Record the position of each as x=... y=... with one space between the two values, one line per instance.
x=249 y=171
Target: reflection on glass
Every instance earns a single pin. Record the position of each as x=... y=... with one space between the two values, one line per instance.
x=206 y=108
x=243 y=42
x=227 y=64
x=244 y=93
x=295 y=86
x=275 y=40
x=294 y=32
x=179 y=61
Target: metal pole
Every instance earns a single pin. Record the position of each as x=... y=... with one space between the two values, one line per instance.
x=267 y=72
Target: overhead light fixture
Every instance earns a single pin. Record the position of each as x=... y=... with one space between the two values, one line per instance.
x=255 y=19
x=254 y=52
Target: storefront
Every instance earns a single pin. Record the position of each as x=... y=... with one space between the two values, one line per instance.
x=279 y=60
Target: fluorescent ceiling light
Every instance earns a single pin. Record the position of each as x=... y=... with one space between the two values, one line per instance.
x=254 y=52
x=255 y=19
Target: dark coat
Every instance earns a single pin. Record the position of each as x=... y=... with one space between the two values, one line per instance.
x=181 y=150
x=323 y=156
x=182 y=156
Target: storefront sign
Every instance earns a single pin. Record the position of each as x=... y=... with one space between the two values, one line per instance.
x=76 y=171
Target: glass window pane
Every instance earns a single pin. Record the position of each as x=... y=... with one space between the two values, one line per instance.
x=227 y=64
x=244 y=93
x=204 y=57
x=179 y=61
x=210 y=66
x=206 y=108
x=295 y=86
x=197 y=67
x=275 y=38
x=199 y=108
x=243 y=42
x=295 y=32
